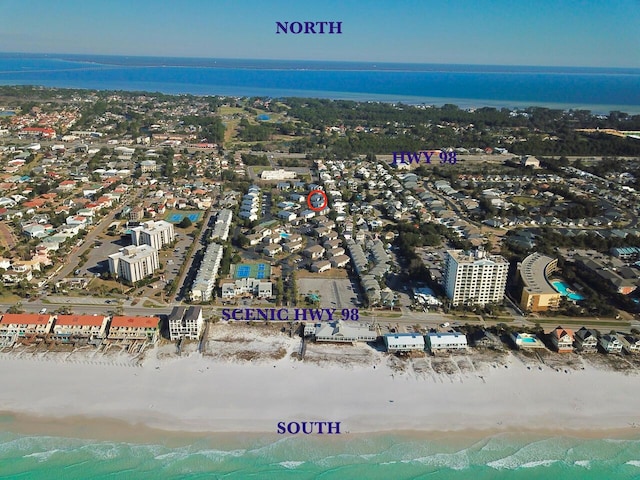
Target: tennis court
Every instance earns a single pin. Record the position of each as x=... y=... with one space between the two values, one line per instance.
x=252 y=270
x=174 y=217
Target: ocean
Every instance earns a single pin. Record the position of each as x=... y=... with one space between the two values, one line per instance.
x=597 y=89
x=388 y=456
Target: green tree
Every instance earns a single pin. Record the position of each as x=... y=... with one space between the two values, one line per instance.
x=185 y=222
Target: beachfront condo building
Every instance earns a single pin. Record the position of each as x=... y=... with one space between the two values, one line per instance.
x=155 y=234
x=134 y=263
x=475 y=278
x=185 y=323
x=538 y=294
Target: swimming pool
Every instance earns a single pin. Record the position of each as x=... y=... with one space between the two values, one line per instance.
x=528 y=340
x=563 y=288
x=285 y=234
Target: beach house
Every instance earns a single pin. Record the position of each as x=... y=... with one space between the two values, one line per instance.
x=71 y=327
x=134 y=328
x=484 y=339
x=611 y=343
x=404 y=342
x=586 y=340
x=444 y=341
x=562 y=339
x=630 y=343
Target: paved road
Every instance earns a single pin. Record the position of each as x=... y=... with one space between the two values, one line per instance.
x=180 y=290
x=73 y=259
x=91 y=305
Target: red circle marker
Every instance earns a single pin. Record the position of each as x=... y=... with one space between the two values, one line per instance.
x=311 y=194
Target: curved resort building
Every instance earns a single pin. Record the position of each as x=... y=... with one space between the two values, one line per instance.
x=538 y=294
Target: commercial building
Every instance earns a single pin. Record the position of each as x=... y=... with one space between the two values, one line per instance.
x=341 y=332
x=537 y=293
x=134 y=263
x=207 y=274
x=154 y=234
x=475 y=278
x=279 y=174
x=185 y=322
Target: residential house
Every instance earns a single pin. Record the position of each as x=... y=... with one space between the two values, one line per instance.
x=321 y=266
x=586 y=340
x=611 y=343
x=314 y=252
x=562 y=339
x=630 y=343
x=272 y=250
x=484 y=339
x=339 y=261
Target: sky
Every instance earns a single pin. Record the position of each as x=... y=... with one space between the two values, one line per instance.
x=591 y=33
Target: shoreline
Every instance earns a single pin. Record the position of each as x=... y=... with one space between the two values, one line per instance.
x=119 y=430
x=363 y=97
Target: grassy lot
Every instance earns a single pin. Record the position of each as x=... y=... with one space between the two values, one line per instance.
x=230 y=110
x=97 y=286
x=580 y=323
x=150 y=304
x=333 y=273
x=380 y=314
x=10 y=298
x=527 y=201
x=258 y=169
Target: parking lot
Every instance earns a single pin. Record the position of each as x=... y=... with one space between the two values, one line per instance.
x=105 y=245
x=334 y=293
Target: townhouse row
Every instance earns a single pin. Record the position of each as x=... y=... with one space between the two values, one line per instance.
x=67 y=328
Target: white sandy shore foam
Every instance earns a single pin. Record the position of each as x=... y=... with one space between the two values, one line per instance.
x=209 y=394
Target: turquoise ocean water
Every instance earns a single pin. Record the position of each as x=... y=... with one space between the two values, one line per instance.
x=389 y=456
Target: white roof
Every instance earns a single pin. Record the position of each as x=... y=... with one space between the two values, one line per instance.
x=447 y=338
x=395 y=339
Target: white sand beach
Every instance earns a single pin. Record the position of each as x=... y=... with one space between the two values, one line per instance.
x=198 y=393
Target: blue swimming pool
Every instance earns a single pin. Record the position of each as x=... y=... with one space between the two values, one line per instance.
x=285 y=235
x=528 y=340
x=563 y=289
